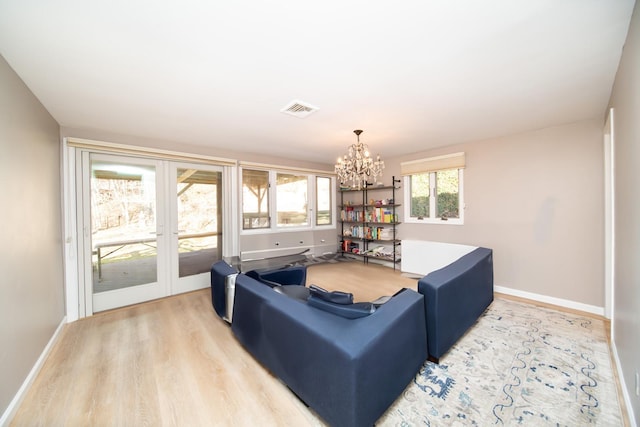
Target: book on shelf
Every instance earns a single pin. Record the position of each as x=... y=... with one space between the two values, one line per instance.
x=351 y=214
x=368 y=233
x=380 y=215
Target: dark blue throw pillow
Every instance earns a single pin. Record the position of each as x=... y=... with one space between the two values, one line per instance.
x=336 y=297
x=349 y=311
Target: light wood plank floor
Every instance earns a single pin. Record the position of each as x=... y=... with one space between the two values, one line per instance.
x=174 y=362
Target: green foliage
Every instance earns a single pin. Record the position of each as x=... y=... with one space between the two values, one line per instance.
x=448 y=205
x=447 y=194
x=420 y=206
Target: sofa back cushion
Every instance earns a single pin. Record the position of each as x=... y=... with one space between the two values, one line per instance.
x=348 y=311
x=336 y=297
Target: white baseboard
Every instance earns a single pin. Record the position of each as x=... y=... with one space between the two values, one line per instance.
x=623 y=386
x=10 y=412
x=551 y=300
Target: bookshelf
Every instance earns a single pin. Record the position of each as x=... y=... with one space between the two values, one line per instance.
x=369 y=221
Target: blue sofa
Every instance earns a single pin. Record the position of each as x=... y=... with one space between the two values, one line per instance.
x=349 y=371
x=454 y=297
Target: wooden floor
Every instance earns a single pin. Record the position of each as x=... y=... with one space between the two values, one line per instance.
x=173 y=362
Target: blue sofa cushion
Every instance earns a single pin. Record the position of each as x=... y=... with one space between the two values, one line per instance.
x=336 y=297
x=296 y=275
x=300 y=293
x=348 y=311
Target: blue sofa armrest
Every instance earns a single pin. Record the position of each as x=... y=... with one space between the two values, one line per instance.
x=348 y=370
x=219 y=272
x=454 y=297
x=296 y=275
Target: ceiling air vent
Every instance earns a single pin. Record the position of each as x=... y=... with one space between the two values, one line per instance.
x=299 y=109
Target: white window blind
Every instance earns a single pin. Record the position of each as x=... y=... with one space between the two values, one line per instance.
x=432 y=164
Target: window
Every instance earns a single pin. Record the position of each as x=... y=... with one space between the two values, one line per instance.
x=292 y=201
x=255 y=199
x=292 y=196
x=323 y=201
x=420 y=193
x=433 y=190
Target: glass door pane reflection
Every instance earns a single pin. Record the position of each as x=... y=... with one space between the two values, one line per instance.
x=123 y=225
x=199 y=220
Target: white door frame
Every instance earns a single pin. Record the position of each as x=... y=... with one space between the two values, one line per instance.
x=137 y=293
x=74 y=260
x=609 y=217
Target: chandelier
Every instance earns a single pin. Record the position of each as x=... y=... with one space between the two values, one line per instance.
x=357 y=166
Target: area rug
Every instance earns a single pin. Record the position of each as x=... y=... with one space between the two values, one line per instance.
x=518 y=365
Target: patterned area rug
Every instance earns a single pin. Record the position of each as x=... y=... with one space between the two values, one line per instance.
x=518 y=365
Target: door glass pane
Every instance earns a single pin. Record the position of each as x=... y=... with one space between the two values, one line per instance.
x=291 y=198
x=420 y=195
x=123 y=225
x=323 y=202
x=199 y=220
x=447 y=189
x=255 y=199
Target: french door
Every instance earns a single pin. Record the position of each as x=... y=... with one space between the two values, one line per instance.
x=152 y=228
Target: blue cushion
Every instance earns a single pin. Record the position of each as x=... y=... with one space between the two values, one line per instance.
x=296 y=275
x=336 y=297
x=348 y=311
x=300 y=293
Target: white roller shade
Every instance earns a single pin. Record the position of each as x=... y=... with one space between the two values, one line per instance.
x=432 y=164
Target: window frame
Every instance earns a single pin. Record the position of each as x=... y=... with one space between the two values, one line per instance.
x=433 y=200
x=312 y=201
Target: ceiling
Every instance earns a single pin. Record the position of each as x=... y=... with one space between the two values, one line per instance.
x=413 y=74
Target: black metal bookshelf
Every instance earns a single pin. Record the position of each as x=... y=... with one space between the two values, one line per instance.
x=370 y=223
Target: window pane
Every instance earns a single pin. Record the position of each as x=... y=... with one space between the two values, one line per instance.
x=123 y=225
x=255 y=199
x=323 y=201
x=291 y=199
x=199 y=220
x=448 y=197
x=420 y=195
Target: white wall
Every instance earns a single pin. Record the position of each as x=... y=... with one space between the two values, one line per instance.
x=625 y=100
x=536 y=199
x=31 y=288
